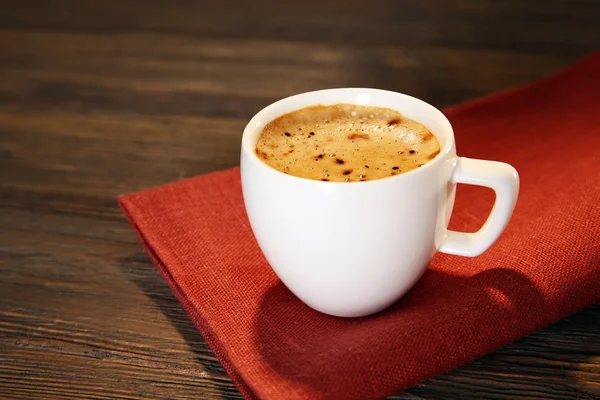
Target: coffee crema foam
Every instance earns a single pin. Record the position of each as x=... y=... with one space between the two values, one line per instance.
x=345 y=143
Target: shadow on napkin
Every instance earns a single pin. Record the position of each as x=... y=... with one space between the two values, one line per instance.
x=281 y=323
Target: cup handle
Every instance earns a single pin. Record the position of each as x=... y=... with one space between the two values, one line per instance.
x=504 y=180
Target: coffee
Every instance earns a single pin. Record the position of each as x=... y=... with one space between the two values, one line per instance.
x=345 y=143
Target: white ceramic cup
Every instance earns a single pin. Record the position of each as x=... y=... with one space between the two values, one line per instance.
x=351 y=249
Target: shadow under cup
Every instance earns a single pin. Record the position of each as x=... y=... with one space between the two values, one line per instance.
x=351 y=248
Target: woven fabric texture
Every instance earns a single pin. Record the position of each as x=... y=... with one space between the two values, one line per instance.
x=545 y=266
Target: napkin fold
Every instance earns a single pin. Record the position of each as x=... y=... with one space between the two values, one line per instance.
x=545 y=266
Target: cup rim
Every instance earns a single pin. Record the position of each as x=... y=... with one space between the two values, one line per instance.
x=253 y=126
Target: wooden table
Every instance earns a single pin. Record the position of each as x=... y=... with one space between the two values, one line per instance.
x=99 y=98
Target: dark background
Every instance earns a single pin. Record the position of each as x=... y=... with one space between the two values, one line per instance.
x=99 y=98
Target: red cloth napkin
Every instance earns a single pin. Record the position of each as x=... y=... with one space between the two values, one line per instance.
x=544 y=267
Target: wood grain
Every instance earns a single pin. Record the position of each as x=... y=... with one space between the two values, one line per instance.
x=99 y=98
